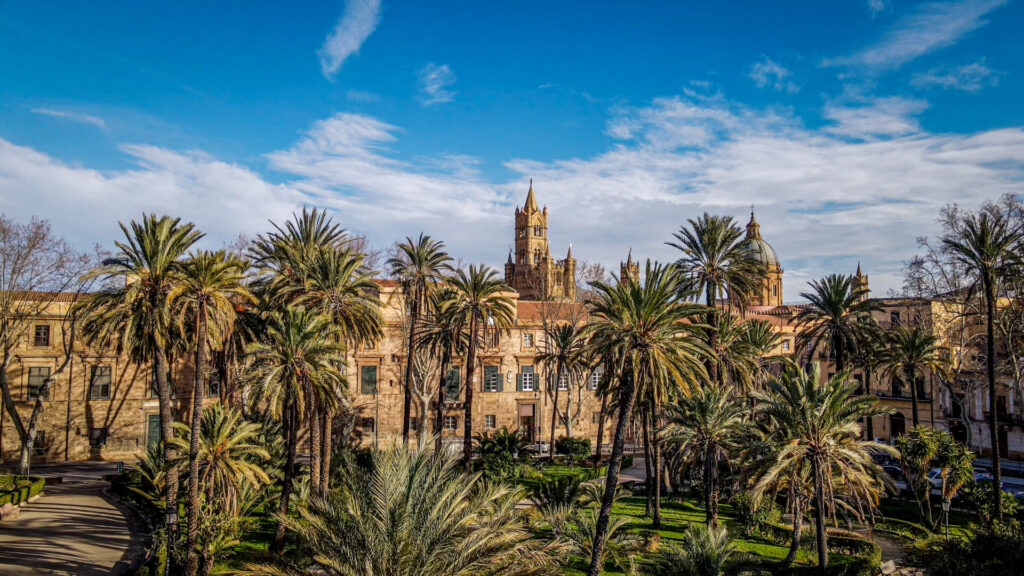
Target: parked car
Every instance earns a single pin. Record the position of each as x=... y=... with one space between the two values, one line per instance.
x=981 y=474
x=894 y=472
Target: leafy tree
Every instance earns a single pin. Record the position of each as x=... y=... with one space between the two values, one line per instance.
x=574 y=449
x=502 y=454
x=917 y=448
x=419 y=266
x=636 y=327
x=834 y=312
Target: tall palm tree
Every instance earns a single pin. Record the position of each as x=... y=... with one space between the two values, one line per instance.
x=635 y=327
x=482 y=303
x=835 y=306
x=716 y=263
x=209 y=286
x=564 y=355
x=710 y=424
x=419 y=266
x=133 y=314
x=296 y=363
x=760 y=340
x=738 y=358
x=819 y=428
x=909 y=352
x=416 y=513
x=338 y=286
x=444 y=335
x=988 y=245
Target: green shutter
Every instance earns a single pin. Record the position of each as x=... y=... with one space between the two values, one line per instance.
x=519 y=382
x=152 y=430
x=369 y=380
x=451 y=385
x=491 y=375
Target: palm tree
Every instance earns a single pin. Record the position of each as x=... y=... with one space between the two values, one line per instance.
x=909 y=352
x=338 y=286
x=415 y=513
x=834 y=308
x=709 y=424
x=706 y=551
x=717 y=263
x=484 y=307
x=988 y=245
x=738 y=357
x=294 y=365
x=760 y=340
x=133 y=313
x=444 y=335
x=564 y=355
x=208 y=288
x=818 y=426
x=419 y=266
x=635 y=327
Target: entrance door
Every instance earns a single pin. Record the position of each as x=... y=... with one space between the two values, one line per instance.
x=526 y=422
x=897 y=426
x=1004 y=450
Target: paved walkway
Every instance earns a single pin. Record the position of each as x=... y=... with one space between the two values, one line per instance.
x=73 y=529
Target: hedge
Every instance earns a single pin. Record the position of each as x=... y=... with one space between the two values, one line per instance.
x=21 y=492
x=903 y=528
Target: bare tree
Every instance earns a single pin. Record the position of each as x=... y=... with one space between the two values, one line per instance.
x=37 y=270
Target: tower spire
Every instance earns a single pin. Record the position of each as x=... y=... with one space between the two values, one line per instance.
x=753 y=228
x=531 y=202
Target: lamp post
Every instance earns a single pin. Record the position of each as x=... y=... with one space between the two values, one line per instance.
x=945 y=514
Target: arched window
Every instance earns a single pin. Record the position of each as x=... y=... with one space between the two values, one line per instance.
x=897 y=425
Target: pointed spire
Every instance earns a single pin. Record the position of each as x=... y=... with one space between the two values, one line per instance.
x=753 y=228
x=858 y=275
x=531 y=202
x=569 y=255
x=509 y=256
x=629 y=259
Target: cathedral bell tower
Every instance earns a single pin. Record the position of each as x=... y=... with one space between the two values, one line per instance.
x=530 y=269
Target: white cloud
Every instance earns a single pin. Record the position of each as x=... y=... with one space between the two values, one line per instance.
x=876 y=7
x=969 y=77
x=931 y=27
x=433 y=84
x=769 y=74
x=72 y=117
x=359 y=20
x=361 y=96
x=875 y=117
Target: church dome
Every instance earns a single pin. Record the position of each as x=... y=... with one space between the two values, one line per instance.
x=759 y=249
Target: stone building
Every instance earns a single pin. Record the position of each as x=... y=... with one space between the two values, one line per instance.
x=532 y=272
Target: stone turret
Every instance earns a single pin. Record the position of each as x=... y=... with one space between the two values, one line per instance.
x=629 y=269
x=860 y=284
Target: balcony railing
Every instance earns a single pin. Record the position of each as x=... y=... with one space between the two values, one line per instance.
x=901 y=395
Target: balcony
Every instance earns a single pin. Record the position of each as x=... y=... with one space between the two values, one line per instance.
x=901 y=395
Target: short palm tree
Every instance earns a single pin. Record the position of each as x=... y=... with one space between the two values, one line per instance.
x=294 y=365
x=444 y=334
x=819 y=426
x=830 y=318
x=416 y=513
x=419 y=266
x=337 y=286
x=564 y=355
x=209 y=286
x=710 y=425
x=635 y=327
x=133 y=314
x=716 y=263
x=988 y=245
x=706 y=551
x=482 y=304
x=909 y=352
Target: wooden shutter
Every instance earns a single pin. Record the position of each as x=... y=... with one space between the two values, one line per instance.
x=152 y=430
x=368 y=380
x=519 y=381
x=451 y=385
x=491 y=374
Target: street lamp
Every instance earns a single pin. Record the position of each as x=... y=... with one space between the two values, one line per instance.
x=945 y=513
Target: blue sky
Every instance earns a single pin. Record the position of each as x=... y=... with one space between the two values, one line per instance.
x=847 y=124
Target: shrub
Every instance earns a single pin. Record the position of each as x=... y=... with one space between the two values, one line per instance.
x=16 y=491
x=574 y=449
x=979 y=499
x=751 y=516
x=989 y=551
x=704 y=552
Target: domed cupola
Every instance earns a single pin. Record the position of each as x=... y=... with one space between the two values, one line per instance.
x=762 y=251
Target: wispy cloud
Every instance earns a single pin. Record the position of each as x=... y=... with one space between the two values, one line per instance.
x=361 y=96
x=876 y=7
x=875 y=117
x=969 y=77
x=769 y=74
x=359 y=20
x=434 y=81
x=931 y=27
x=70 y=116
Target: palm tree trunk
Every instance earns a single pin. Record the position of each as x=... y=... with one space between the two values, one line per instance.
x=291 y=437
x=192 y=511
x=315 y=447
x=170 y=457
x=612 y=480
x=819 y=518
x=798 y=524
x=554 y=414
x=439 y=411
x=648 y=459
x=325 y=452
x=600 y=429
x=568 y=406
x=710 y=511
x=712 y=363
x=414 y=311
x=467 y=427
x=990 y=368
x=913 y=394
x=656 y=465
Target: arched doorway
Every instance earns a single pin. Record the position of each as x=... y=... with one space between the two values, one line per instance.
x=897 y=425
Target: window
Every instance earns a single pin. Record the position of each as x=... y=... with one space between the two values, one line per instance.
x=490 y=421
x=39 y=444
x=494 y=339
x=563 y=382
x=369 y=345
x=775 y=290
x=527 y=339
x=492 y=379
x=451 y=385
x=37 y=376
x=368 y=380
x=213 y=384
x=42 y=335
x=894 y=318
x=451 y=422
x=414 y=423
x=99 y=383
x=152 y=430
x=538 y=231
x=785 y=345
x=595 y=378
x=368 y=424
x=97 y=436
x=522 y=233
x=595 y=416
x=526 y=379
